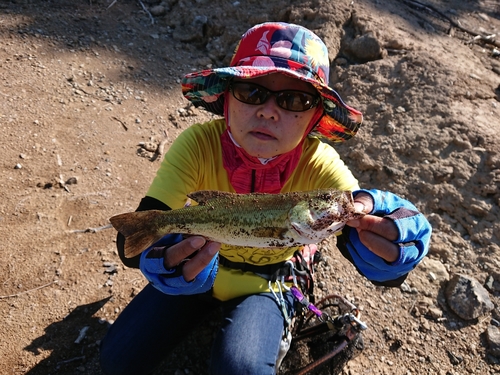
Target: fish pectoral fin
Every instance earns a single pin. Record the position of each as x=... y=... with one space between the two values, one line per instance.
x=270 y=232
x=202 y=197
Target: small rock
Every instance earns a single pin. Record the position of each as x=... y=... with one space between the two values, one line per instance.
x=435 y=313
x=425 y=325
x=488 y=284
x=111 y=269
x=405 y=288
x=455 y=359
x=394 y=44
x=390 y=128
x=484 y=17
x=341 y=61
x=18 y=166
x=436 y=269
x=148 y=146
x=467 y=297
x=429 y=28
x=366 y=48
x=493 y=337
x=71 y=181
x=382 y=108
x=158 y=10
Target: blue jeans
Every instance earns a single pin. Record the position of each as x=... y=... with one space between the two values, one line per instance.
x=154 y=323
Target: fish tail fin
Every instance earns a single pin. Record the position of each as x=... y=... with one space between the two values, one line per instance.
x=138 y=229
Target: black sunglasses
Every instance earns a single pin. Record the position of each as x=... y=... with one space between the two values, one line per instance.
x=291 y=100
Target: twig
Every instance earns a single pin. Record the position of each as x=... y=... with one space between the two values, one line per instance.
x=161 y=147
x=27 y=291
x=147 y=11
x=412 y=305
x=70 y=360
x=82 y=334
x=63 y=184
x=120 y=121
x=454 y=23
x=92 y=230
x=113 y=3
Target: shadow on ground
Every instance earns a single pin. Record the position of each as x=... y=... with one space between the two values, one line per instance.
x=73 y=341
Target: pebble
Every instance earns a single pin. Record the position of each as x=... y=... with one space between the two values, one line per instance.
x=382 y=107
x=435 y=312
x=390 y=128
x=405 y=287
x=467 y=297
x=72 y=181
x=18 y=166
x=158 y=10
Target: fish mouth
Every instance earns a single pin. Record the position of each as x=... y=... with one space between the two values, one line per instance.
x=301 y=234
x=308 y=235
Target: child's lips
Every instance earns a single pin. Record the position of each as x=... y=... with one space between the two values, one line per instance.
x=263 y=135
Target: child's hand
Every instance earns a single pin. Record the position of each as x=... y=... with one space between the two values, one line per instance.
x=390 y=240
x=195 y=252
x=375 y=232
x=180 y=266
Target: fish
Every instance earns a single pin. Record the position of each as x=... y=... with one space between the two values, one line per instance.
x=251 y=220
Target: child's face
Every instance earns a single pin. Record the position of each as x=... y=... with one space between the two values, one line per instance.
x=266 y=130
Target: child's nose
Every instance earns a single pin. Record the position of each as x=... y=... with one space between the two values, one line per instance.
x=269 y=109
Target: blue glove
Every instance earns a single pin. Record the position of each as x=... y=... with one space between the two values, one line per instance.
x=413 y=240
x=171 y=281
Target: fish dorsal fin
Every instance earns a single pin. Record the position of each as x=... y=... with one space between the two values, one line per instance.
x=202 y=197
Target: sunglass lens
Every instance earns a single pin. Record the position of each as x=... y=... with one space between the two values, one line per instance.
x=248 y=93
x=295 y=101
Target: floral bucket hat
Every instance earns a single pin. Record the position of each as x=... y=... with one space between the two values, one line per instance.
x=276 y=47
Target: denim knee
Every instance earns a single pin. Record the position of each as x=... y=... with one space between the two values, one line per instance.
x=113 y=362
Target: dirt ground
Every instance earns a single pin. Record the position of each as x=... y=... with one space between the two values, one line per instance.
x=90 y=88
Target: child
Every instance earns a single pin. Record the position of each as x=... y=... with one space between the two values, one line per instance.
x=276 y=106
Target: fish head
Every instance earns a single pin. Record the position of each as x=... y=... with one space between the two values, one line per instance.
x=322 y=214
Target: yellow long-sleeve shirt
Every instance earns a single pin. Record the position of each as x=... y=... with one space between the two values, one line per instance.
x=194 y=162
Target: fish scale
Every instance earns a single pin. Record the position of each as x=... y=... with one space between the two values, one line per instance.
x=250 y=220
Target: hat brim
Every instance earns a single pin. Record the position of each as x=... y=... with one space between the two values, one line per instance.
x=206 y=89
